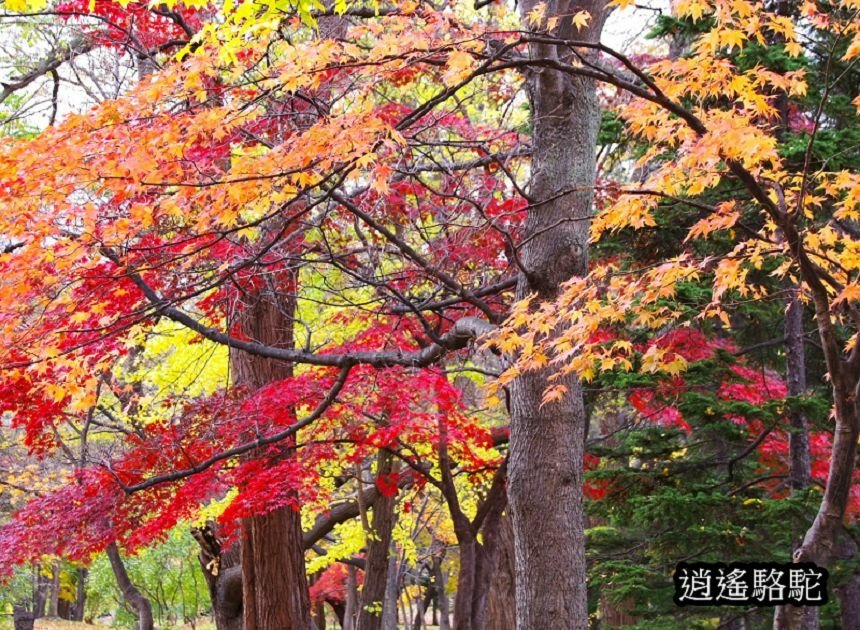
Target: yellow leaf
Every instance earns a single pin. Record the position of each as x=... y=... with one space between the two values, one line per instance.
x=25 y=6
x=536 y=15
x=458 y=68
x=581 y=19
x=793 y=49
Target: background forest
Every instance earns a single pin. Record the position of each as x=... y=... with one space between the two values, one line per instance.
x=426 y=313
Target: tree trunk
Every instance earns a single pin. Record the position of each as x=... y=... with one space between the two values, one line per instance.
x=223 y=577
x=800 y=466
x=54 y=591
x=351 y=600
x=442 y=593
x=849 y=592
x=547 y=441
x=372 y=599
x=133 y=597
x=77 y=608
x=501 y=606
x=274 y=585
x=40 y=592
x=392 y=590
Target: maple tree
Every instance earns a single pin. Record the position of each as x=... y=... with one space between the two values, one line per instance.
x=342 y=197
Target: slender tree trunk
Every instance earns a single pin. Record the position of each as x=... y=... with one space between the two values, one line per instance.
x=821 y=543
x=40 y=592
x=547 y=441
x=140 y=604
x=442 y=593
x=800 y=466
x=349 y=614
x=274 y=585
x=54 y=591
x=392 y=589
x=77 y=610
x=501 y=601
x=372 y=599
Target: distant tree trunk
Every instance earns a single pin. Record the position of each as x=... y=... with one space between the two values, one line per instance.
x=223 y=576
x=477 y=559
x=442 y=593
x=372 y=599
x=54 y=590
x=140 y=604
x=392 y=589
x=40 y=592
x=799 y=466
x=349 y=613
x=501 y=600
x=849 y=592
x=547 y=440
x=77 y=608
x=274 y=584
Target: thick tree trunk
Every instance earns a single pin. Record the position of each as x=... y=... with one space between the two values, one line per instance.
x=372 y=599
x=140 y=604
x=274 y=585
x=547 y=441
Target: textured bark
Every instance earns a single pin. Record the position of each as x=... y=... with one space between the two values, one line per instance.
x=800 y=466
x=376 y=567
x=477 y=559
x=821 y=543
x=349 y=614
x=547 y=441
x=441 y=582
x=40 y=592
x=274 y=585
x=54 y=591
x=223 y=577
x=848 y=593
x=392 y=590
x=133 y=597
x=76 y=610
x=501 y=600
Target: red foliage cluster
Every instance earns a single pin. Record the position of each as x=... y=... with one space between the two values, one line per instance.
x=135 y=26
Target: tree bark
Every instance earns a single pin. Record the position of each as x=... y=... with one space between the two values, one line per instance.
x=54 y=591
x=77 y=609
x=800 y=466
x=392 y=590
x=274 y=585
x=140 y=604
x=547 y=441
x=372 y=599
x=223 y=576
x=501 y=600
